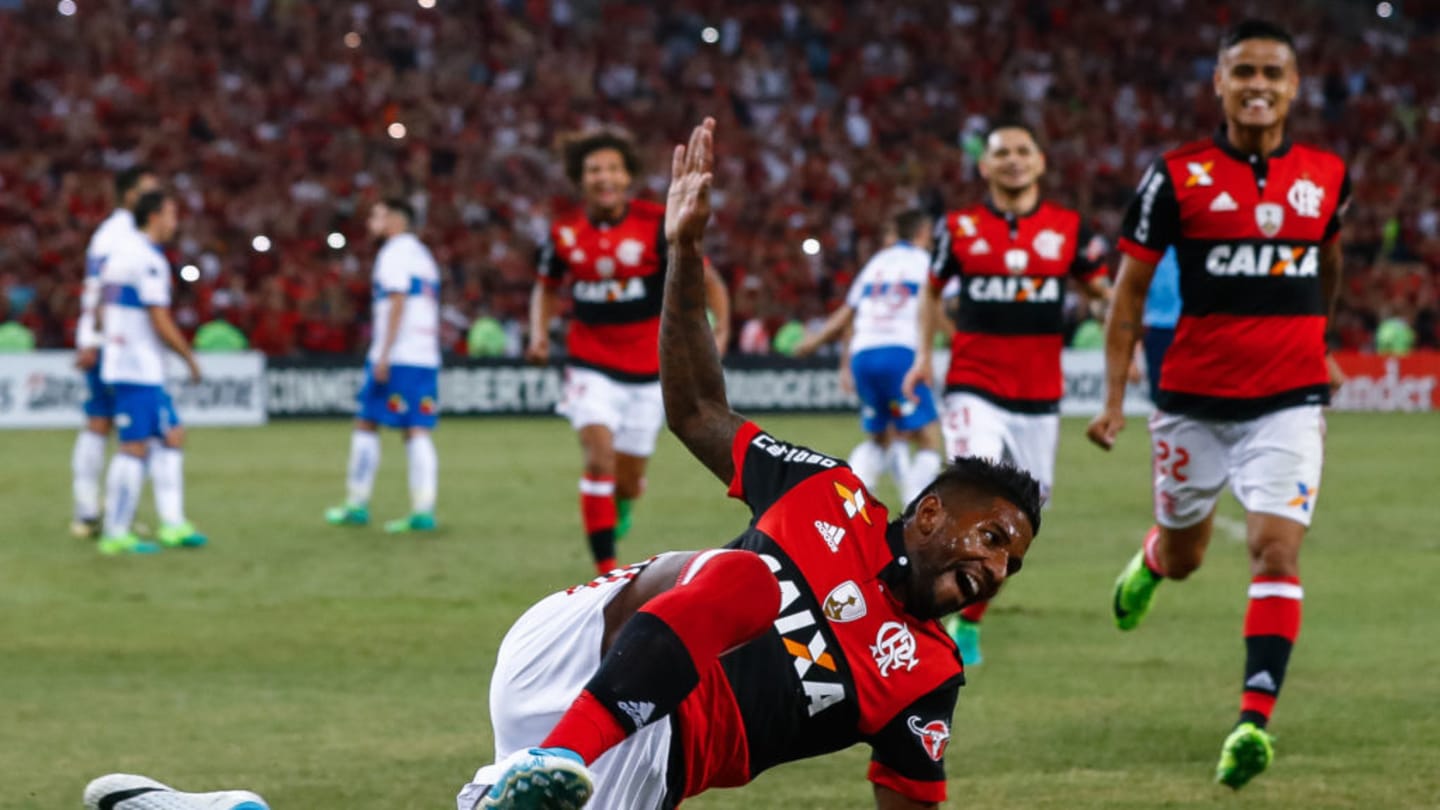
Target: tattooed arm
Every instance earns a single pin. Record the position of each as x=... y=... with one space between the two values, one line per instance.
x=691 y=379
x=1122 y=332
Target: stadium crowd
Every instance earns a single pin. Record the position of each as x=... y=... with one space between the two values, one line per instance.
x=279 y=122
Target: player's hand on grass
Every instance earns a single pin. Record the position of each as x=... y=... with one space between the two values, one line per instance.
x=381 y=372
x=919 y=373
x=537 y=352
x=85 y=359
x=1337 y=374
x=687 y=208
x=1105 y=427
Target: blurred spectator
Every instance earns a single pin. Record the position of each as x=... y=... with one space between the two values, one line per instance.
x=278 y=121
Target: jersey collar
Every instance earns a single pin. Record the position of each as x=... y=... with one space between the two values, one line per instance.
x=896 y=572
x=1223 y=144
x=609 y=223
x=1006 y=215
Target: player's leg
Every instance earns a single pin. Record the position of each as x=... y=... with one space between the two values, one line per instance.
x=919 y=426
x=973 y=426
x=595 y=404
x=137 y=418
x=364 y=461
x=640 y=424
x=1276 y=470
x=868 y=459
x=167 y=476
x=125 y=791
x=87 y=464
x=1190 y=467
x=418 y=388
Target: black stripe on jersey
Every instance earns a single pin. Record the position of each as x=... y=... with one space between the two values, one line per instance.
x=788 y=716
x=1249 y=278
x=634 y=311
x=1031 y=406
x=1227 y=409
x=1010 y=318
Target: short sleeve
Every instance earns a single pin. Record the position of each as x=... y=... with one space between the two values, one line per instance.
x=1332 y=228
x=154 y=284
x=857 y=288
x=1090 y=250
x=1152 y=222
x=550 y=268
x=766 y=467
x=391 y=274
x=908 y=754
x=943 y=263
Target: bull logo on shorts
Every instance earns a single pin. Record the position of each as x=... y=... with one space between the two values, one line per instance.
x=934 y=736
x=894 y=648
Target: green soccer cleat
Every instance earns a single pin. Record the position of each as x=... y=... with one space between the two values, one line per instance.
x=1247 y=752
x=1134 y=591
x=117 y=545
x=180 y=535
x=348 y=515
x=415 y=522
x=966 y=635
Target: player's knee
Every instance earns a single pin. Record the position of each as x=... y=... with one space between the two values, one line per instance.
x=1274 y=558
x=744 y=584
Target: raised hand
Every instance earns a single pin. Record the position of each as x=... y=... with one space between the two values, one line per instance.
x=687 y=208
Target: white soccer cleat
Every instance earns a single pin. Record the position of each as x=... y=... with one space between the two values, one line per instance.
x=124 y=791
x=540 y=779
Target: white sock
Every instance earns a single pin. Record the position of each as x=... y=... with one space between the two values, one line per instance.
x=364 y=461
x=124 y=483
x=167 y=475
x=868 y=462
x=424 y=472
x=87 y=464
x=923 y=469
x=897 y=463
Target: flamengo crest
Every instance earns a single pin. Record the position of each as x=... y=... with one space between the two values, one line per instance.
x=894 y=648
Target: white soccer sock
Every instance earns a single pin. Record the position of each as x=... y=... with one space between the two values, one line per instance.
x=868 y=462
x=923 y=469
x=424 y=472
x=124 y=483
x=167 y=475
x=364 y=461
x=897 y=463
x=87 y=464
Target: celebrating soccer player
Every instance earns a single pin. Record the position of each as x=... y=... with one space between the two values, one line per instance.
x=135 y=318
x=1255 y=222
x=882 y=309
x=402 y=372
x=814 y=630
x=87 y=461
x=1012 y=255
x=613 y=251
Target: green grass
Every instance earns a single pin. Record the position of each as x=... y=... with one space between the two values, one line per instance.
x=334 y=669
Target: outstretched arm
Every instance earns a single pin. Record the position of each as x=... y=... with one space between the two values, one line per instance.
x=691 y=379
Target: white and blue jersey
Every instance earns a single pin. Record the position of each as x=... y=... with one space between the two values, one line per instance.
x=410 y=398
x=116 y=228
x=886 y=298
x=135 y=277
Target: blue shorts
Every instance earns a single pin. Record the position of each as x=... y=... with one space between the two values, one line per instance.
x=410 y=400
x=101 y=400
x=143 y=411
x=879 y=375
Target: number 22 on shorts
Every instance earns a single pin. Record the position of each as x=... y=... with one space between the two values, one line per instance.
x=1171 y=463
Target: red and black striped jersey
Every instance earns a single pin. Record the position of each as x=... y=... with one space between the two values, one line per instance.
x=1012 y=272
x=845 y=663
x=1247 y=233
x=617 y=280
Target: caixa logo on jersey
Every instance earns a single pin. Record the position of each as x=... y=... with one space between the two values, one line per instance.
x=801 y=631
x=1263 y=260
x=1011 y=289
x=610 y=290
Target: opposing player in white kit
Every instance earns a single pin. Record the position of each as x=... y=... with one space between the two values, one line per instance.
x=87 y=460
x=402 y=372
x=883 y=308
x=135 y=287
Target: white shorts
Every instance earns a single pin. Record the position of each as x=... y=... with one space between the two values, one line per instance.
x=1272 y=463
x=975 y=426
x=634 y=412
x=545 y=660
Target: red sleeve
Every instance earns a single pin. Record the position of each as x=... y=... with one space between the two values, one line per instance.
x=743 y=437
x=1140 y=252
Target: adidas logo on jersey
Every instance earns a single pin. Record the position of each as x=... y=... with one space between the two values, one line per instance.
x=637 y=710
x=1223 y=202
x=1263 y=260
x=831 y=534
x=979 y=247
x=1261 y=681
x=1003 y=288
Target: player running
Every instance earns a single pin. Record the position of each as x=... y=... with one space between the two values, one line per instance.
x=87 y=460
x=402 y=372
x=612 y=251
x=813 y=630
x=883 y=307
x=1012 y=255
x=136 y=322
x=1255 y=223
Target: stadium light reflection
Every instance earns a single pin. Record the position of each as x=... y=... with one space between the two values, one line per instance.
x=396 y=130
x=335 y=240
x=261 y=244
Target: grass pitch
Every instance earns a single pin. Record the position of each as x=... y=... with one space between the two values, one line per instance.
x=336 y=669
